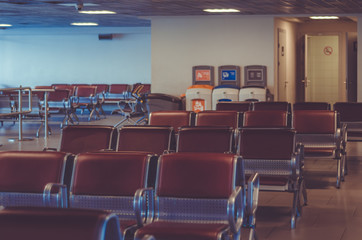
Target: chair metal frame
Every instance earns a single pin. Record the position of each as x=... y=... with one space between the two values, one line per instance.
x=291 y=169
x=138 y=207
x=191 y=210
x=315 y=142
x=85 y=97
x=53 y=195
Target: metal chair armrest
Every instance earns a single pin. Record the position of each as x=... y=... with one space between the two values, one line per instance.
x=235 y=210
x=253 y=194
x=63 y=194
x=144 y=197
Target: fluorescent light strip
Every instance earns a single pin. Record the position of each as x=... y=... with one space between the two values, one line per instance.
x=324 y=17
x=6 y=25
x=223 y=10
x=98 y=12
x=84 y=24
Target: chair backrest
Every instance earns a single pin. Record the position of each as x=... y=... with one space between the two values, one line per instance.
x=58 y=95
x=349 y=111
x=315 y=122
x=109 y=179
x=205 y=139
x=311 y=106
x=80 y=84
x=284 y=106
x=58 y=224
x=101 y=88
x=85 y=91
x=266 y=119
x=278 y=144
x=217 y=118
x=41 y=94
x=118 y=88
x=206 y=179
x=70 y=88
x=87 y=138
x=173 y=119
x=234 y=106
x=24 y=175
x=109 y=173
x=155 y=139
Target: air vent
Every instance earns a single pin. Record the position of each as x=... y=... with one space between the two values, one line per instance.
x=110 y=36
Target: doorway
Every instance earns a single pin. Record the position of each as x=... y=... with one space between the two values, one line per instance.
x=322 y=69
x=319 y=71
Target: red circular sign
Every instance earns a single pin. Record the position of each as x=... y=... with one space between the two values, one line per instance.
x=328 y=50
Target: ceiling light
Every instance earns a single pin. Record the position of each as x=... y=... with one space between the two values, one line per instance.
x=223 y=10
x=84 y=24
x=98 y=12
x=6 y=25
x=324 y=17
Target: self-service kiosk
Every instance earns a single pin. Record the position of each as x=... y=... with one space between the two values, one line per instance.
x=255 y=85
x=199 y=98
x=199 y=95
x=228 y=85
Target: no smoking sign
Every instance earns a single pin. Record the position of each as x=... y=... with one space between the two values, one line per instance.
x=328 y=50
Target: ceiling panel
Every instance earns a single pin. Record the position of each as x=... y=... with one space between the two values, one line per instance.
x=48 y=13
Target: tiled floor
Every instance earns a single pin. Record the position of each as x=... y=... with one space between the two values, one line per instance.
x=333 y=214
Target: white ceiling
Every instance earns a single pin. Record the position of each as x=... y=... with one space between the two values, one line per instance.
x=53 y=13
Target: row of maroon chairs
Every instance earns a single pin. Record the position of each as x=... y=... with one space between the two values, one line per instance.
x=197 y=196
x=157 y=139
x=285 y=106
x=319 y=132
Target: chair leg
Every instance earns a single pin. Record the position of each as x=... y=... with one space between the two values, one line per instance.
x=296 y=208
x=304 y=192
x=252 y=234
x=127 y=118
x=339 y=170
x=345 y=164
x=100 y=110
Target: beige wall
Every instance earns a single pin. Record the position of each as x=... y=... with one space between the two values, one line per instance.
x=290 y=51
x=178 y=43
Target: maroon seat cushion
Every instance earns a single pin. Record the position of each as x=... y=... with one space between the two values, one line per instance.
x=265 y=118
x=181 y=231
x=217 y=118
x=85 y=138
x=174 y=119
x=196 y=175
x=30 y=171
x=314 y=122
x=109 y=173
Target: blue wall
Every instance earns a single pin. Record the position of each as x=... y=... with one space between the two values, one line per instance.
x=31 y=56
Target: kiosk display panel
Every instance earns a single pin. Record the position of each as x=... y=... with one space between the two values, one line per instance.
x=229 y=75
x=203 y=75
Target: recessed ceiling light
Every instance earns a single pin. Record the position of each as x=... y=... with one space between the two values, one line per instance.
x=98 y=12
x=84 y=24
x=223 y=10
x=6 y=25
x=324 y=17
